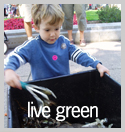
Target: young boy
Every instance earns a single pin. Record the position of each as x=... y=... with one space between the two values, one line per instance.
x=49 y=53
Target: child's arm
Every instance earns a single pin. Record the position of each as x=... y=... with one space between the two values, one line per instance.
x=18 y=57
x=85 y=59
x=12 y=79
x=102 y=69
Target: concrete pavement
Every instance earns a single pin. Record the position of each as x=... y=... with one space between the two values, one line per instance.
x=94 y=33
x=109 y=53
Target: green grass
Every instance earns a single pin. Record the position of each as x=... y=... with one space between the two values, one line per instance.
x=91 y=15
x=10 y=18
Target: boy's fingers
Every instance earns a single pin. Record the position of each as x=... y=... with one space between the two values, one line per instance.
x=16 y=84
x=19 y=86
x=101 y=74
x=108 y=72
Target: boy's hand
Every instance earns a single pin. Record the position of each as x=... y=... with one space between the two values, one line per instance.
x=102 y=69
x=12 y=79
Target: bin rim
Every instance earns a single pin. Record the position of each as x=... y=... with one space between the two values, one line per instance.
x=9 y=108
x=62 y=76
x=105 y=75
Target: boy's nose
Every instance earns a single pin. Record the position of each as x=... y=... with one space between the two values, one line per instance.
x=52 y=33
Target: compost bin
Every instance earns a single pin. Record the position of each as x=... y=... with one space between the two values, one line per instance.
x=79 y=89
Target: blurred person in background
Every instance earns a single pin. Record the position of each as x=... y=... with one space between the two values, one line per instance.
x=5 y=10
x=68 y=20
x=25 y=12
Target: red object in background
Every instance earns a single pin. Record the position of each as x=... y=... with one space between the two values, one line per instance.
x=14 y=23
x=75 y=20
x=95 y=8
x=5 y=114
x=18 y=23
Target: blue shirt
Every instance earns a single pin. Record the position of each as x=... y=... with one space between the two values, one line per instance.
x=48 y=60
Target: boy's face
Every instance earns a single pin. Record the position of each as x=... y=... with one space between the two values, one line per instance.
x=49 y=33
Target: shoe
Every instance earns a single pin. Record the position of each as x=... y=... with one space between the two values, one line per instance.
x=71 y=41
x=29 y=38
x=82 y=43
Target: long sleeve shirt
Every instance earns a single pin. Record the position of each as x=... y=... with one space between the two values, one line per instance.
x=48 y=60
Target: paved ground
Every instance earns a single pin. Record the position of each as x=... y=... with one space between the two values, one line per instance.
x=109 y=53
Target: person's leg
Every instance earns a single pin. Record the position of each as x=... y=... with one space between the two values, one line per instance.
x=17 y=11
x=68 y=20
x=14 y=11
x=81 y=18
x=5 y=12
x=25 y=12
x=28 y=28
x=82 y=39
x=70 y=36
x=81 y=35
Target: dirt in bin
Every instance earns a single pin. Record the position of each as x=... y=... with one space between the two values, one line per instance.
x=41 y=122
x=33 y=122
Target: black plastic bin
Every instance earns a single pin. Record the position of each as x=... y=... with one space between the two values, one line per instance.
x=80 y=89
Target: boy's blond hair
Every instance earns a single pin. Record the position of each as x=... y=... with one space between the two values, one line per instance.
x=44 y=11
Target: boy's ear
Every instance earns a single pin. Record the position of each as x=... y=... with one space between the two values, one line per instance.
x=36 y=28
